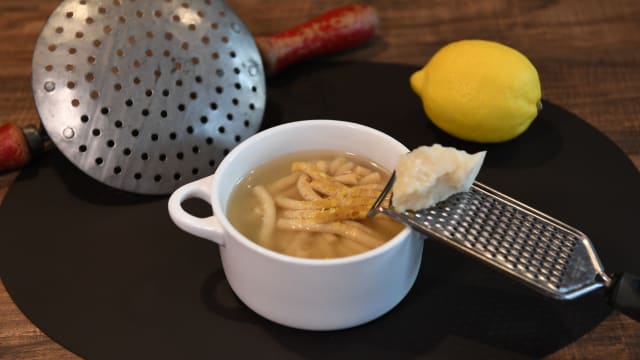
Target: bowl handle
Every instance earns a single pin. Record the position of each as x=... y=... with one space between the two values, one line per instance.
x=208 y=228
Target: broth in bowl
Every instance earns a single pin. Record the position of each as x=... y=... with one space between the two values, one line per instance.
x=313 y=204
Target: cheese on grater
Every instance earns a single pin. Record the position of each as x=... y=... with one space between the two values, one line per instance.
x=430 y=174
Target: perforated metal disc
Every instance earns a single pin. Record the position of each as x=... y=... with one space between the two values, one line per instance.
x=146 y=95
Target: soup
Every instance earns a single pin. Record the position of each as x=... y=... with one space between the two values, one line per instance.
x=313 y=204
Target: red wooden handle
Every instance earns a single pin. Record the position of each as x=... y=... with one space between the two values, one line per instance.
x=14 y=150
x=336 y=30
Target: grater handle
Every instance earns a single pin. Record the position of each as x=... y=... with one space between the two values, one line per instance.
x=625 y=294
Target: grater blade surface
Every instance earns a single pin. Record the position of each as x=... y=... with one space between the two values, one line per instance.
x=536 y=249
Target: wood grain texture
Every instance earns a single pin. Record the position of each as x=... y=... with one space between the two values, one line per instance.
x=587 y=54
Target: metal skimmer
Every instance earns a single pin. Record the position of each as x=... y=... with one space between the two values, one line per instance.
x=147 y=95
x=536 y=249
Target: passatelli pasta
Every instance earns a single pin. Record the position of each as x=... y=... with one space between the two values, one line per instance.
x=313 y=204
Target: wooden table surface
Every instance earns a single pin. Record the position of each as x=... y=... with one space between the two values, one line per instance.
x=587 y=54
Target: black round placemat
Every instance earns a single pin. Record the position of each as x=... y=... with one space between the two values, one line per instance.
x=108 y=275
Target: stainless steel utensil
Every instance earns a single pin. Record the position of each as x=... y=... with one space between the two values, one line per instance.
x=147 y=95
x=534 y=248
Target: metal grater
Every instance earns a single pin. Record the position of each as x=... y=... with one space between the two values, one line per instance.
x=538 y=250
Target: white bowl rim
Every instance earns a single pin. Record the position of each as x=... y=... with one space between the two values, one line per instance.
x=395 y=241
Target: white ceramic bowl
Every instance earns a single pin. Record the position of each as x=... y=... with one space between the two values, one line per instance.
x=302 y=293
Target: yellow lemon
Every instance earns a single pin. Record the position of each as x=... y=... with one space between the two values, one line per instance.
x=479 y=91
